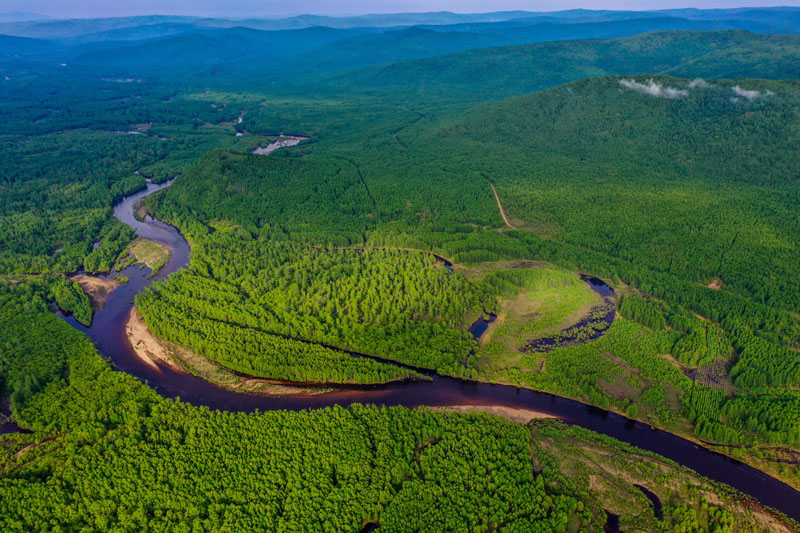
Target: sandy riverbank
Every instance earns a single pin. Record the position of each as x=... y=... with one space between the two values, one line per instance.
x=155 y=352
x=97 y=289
x=148 y=348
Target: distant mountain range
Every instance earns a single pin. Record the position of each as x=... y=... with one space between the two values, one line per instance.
x=498 y=52
x=516 y=70
x=31 y=25
x=18 y=16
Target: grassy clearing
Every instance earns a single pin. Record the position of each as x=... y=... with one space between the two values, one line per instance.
x=551 y=302
x=628 y=370
x=151 y=253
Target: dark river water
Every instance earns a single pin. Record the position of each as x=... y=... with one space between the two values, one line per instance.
x=108 y=333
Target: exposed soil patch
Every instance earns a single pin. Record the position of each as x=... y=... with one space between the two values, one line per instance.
x=97 y=289
x=140 y=211
x=500 y=205
x=283 y=142
x=716 y=284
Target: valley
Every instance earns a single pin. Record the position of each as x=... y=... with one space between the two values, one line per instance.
x=525 y=274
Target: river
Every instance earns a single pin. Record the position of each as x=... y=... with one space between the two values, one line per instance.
x=108 y=333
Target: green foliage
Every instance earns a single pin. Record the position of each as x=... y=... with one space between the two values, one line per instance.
x=510 y=282
x=581 y=453
x=654 y=180
x=655 y=397
x=261 y=295
x=27 y=363
x=642 y=311
x=514 y=70
x=323 y=470
x=763 y=363
x=67 y=157
x=312 y=201
x=258 y=353
x=684 y=519
x=770 y=414
x=702 y=345
x=664 y=194
x=70 y=298
x=109 y=453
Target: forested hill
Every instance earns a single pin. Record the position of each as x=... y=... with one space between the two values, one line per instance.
x=685 y=189
x=692 y=177
x=516 y=70
x=707 y=170
x=242 y=52
x=245 y=57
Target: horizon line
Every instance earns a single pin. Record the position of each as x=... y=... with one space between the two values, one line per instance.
x=283 y=16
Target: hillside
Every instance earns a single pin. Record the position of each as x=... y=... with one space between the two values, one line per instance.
x=237 y=55
x=195 y=52
x=633 y=139
x=514 y=70
x=19 y=49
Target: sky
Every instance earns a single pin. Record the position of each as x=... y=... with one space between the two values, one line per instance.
x=272 y=8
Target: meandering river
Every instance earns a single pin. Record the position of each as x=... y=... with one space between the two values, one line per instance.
x=108 y=333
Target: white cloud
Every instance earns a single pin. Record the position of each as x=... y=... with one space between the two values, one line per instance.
x=654 y=89
x=749 y=95
x=699 y=83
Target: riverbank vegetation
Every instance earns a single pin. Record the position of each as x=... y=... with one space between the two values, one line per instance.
x=364 y=465
x=63 y=168
x=396 y=305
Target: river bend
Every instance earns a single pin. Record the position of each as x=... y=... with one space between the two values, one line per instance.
x=108 y=333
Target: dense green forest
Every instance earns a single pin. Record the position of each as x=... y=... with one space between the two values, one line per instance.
x=493 y=73
x=721 y=164
x=63 y=168
x=398 y=305
x=653 y=212
x=665 y=163
x=106 y=452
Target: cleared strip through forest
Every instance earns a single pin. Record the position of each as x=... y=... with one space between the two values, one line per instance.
x=502 y=211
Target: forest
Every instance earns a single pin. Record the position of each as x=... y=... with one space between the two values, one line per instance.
x=664 y=163
x=398 y=305
x=103 y=452
x=718 y=361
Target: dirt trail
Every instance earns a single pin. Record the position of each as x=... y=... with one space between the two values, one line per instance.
x=502 y=211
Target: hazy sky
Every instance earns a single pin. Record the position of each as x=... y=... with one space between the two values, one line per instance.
x=243 y=8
